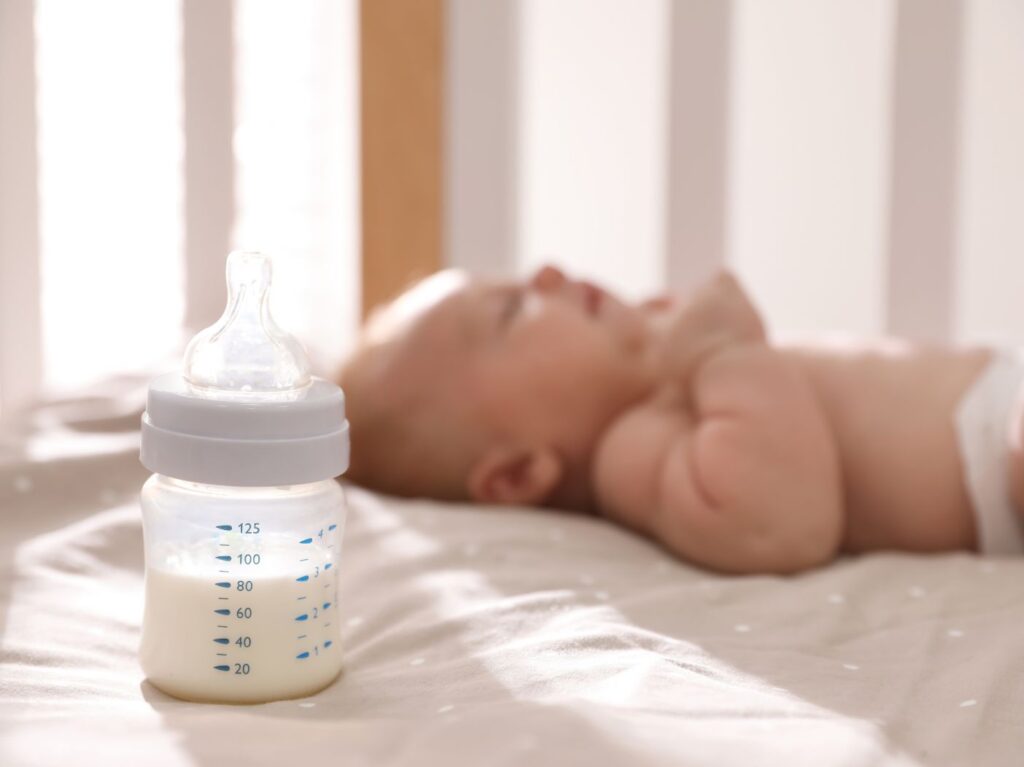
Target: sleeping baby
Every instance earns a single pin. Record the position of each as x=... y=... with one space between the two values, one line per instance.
x=684 y=422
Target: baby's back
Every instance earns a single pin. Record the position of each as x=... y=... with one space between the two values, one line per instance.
x=891 y=407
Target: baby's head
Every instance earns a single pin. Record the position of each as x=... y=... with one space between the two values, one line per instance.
x=494 y=391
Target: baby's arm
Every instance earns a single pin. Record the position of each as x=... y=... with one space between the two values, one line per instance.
x=738 y=472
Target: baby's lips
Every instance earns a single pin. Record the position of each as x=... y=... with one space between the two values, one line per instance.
x=657 y=304
x=593 y=297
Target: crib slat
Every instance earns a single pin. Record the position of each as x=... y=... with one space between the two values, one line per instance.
x=924 y=209
x=482 y=134
x=698 y=140
x=208 y=63
x=21 y=363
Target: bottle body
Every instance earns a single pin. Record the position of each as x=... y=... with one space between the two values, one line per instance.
x=241 y=589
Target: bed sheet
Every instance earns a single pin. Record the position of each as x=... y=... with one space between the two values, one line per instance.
x=503 y=636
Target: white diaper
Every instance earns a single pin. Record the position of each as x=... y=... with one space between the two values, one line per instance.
x=982 y=424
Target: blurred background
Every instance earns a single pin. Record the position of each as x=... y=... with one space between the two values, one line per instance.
x=858 y=162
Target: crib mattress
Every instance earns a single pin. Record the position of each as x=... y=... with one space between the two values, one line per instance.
x=477 y=635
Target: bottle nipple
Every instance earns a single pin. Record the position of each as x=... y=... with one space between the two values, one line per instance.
x=244 y=355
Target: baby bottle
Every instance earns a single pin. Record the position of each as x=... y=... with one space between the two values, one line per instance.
x=242 y=517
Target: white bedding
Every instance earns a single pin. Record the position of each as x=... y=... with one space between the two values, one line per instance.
x=487 y=636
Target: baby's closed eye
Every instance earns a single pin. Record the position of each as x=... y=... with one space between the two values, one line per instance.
x=512 y=302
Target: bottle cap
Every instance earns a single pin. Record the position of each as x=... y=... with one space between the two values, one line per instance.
x=245 y=411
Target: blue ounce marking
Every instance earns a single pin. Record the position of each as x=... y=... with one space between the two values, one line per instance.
x=222 y=668
x=221 y=640
x=303 y=617
x=223 y=611
x=302 y=578
x=226 y=528
x=223 y=584
x=302 y=655
x=224 y=557
x=306 y=540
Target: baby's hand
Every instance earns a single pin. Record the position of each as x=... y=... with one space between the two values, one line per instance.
x=719 y=315
x=739 y=474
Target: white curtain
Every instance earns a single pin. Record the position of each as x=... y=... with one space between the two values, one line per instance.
x=862 y=158
x=120 y=259
x=859 y=163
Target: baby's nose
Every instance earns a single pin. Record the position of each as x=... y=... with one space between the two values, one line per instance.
x=547 y=279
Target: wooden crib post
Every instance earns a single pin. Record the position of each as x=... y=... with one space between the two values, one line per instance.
x=402 y=59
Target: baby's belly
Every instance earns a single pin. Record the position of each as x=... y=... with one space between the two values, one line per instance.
x=879 y=528
x=898 y=506
x=892 y=417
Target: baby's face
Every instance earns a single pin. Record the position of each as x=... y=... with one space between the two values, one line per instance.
x=547 y=359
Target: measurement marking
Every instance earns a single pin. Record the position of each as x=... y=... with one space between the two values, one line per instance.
x=303 y=617
x=301 y=636
x=330 y=545
x=327 y=644
x=331 y=528
x=302 y=655
x=223 y=571
x=326 y=605
x=327 y=566
x=223 y=611
x=223 y=599
x=222 y=668
x=222 y=654
x=223 y=544
x=326 y=625
x=223 y=584
x=223 y=557
x=327 y=585
x=301 y=598
x=224 y=527
x=306 y=540
x=221 y=640
x=221 y=626
x=304 y=559
x=302 y=578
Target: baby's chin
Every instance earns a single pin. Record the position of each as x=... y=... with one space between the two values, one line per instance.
x=629 y=325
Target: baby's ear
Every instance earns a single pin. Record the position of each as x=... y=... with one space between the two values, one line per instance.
x=515 y=475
